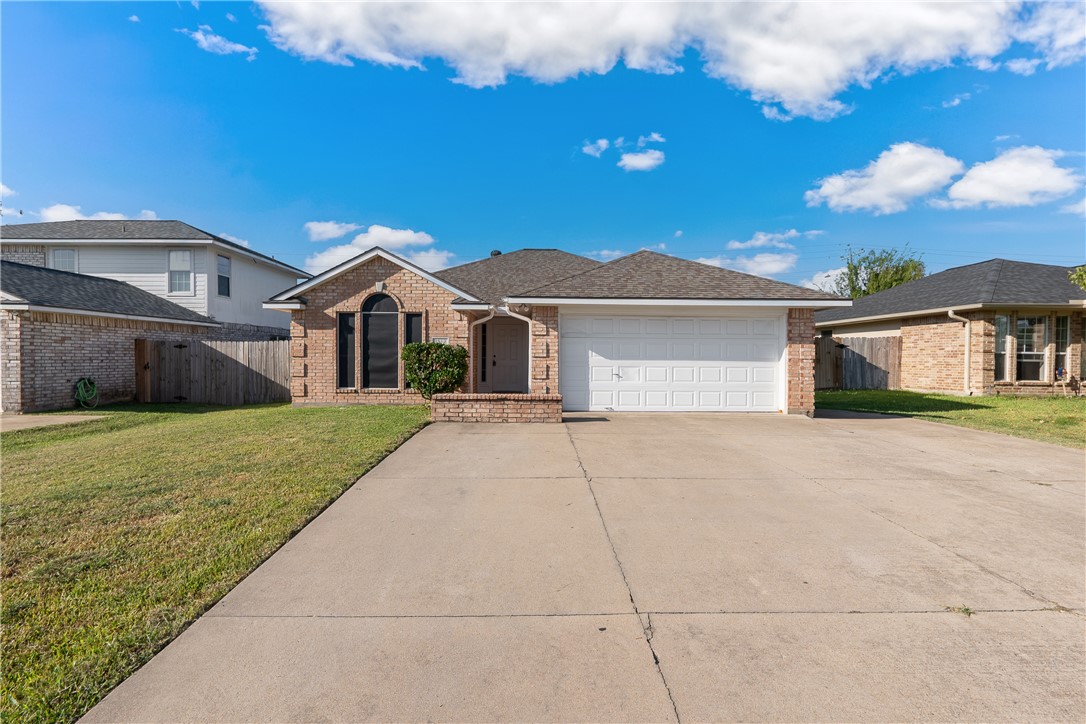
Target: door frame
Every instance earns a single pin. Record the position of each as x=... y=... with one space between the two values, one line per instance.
x=486 y=359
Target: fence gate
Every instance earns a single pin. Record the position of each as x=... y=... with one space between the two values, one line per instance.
x=217 y=373
x=858 y=363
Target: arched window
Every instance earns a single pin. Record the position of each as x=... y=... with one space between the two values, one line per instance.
x=380 y=342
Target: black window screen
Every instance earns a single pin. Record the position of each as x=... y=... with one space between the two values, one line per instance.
x=345 y=350
x=380 y=342
x=412 y=328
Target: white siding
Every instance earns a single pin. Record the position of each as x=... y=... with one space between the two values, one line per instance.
x=145 y=267
x=251 y=283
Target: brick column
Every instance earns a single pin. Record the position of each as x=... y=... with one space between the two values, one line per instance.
x=544 y=364
x=299 y=354
x=801 y=362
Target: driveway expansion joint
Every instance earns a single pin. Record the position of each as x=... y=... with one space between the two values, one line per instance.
x=646 y=624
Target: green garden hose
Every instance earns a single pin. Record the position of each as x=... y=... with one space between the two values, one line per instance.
x=86 y=392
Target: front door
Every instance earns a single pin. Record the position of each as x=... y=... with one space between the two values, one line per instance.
x=509 y=356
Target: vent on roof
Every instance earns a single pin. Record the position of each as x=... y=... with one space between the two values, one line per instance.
x=496 y=252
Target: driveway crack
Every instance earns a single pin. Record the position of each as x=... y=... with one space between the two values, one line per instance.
x=644 y=619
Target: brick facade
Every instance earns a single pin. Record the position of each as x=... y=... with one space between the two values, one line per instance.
x=44 y=354
x=30 y=254
x=544 y=365
x=496 y=408
x=801 y=362
x=933 y=354
x=314 y=332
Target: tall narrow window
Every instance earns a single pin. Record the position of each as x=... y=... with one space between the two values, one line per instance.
x=1002 y=329
x=65 y=260
x=380 y=342
x=224 y=276
x=345 y=350
x=180 y=272
x=1063 y=341
x=1032 y=336
x=412 y=328
x=482 y=353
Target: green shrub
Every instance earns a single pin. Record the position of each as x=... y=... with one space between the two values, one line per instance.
x=433 y=368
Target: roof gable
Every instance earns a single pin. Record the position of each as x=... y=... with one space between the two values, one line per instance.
x=996 y=281
x=650 y=275
x=37 y=286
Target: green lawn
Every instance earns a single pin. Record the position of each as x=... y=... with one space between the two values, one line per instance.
x=1061 y=420
x=118 y=533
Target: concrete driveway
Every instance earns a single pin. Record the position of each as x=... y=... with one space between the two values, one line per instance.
x=661 y=567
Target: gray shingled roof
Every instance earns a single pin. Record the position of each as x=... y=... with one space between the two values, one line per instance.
x=43 y=287
x=497 y=277
x=126 y=229
x=997 y=281
x=649 y=275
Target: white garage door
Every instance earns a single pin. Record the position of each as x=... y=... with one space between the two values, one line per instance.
x=629 y=363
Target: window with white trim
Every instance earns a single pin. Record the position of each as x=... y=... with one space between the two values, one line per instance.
x=180 y=274
x=224 y=275
x=66 y=260
x=1032 y=336
x=1063 y=341
x=1002 y=331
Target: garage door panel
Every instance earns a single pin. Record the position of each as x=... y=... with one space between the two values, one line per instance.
x=670 y=363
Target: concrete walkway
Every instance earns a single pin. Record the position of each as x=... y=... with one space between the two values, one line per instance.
x=660 y=567
x=9 y=422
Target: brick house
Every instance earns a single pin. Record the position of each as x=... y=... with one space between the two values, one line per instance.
x=995 y=327
x=58 y=326
x=548 y=331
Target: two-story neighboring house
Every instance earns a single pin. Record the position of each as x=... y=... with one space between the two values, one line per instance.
x=205 y=273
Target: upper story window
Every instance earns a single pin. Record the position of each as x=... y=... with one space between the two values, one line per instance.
x=65 y=260
x=180 y=274
x=224 y=276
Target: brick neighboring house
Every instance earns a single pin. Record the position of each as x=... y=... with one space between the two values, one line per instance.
x=58 y=327
x=547 y=330
x=210 y=275
x=1024 y=322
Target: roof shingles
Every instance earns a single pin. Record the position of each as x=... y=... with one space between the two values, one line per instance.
x=497 y=277
x=43 y=287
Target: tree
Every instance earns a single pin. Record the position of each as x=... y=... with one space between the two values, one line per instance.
x=867 y=272
x=1078 y=276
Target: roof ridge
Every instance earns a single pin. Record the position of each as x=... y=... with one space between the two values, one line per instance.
x=993 y=280
x=577 y=274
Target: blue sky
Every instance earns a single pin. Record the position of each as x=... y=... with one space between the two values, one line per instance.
x=770 y=155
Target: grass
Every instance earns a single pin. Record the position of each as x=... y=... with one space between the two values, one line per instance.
x=1061 y=420
x=119 y=532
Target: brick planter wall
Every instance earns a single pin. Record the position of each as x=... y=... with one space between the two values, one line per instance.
x=460 y=407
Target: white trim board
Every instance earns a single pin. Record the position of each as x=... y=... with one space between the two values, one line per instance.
x=92 y=313
x=562 y=301
x=358 y=261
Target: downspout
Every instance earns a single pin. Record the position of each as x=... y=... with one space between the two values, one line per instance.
x=529 y=321
x=471 y=344
x=965 y=375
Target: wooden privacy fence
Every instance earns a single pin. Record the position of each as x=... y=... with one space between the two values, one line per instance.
x=217 y=373
x=858 y=363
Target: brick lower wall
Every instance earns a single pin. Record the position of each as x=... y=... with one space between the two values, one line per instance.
x=801 y=362
x=459 y=407
x=44 y=354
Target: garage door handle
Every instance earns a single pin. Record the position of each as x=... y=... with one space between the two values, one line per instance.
x=617 y=374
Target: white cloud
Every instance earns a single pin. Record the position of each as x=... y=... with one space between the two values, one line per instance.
x=1078 y=208
x=431 y=259
x=67 y=212
x=378 y=235
x=1022 y=176
x=1005 y=137
x=957 y=100
x=133 y=18
x=653 y=137
x=678 y=233
x=655 y=247
x=764 y=264
x=794 y=58
x=6 y=191
x=325 y=230
x=822 y=280
x=1022 y=66
x=641 y=161
x=607 y=254
x=776 y=240
x=231 y=18
x=776 y=114
x=597 y=147
x=236 y=240
x=903 y=172
x=217 y=44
